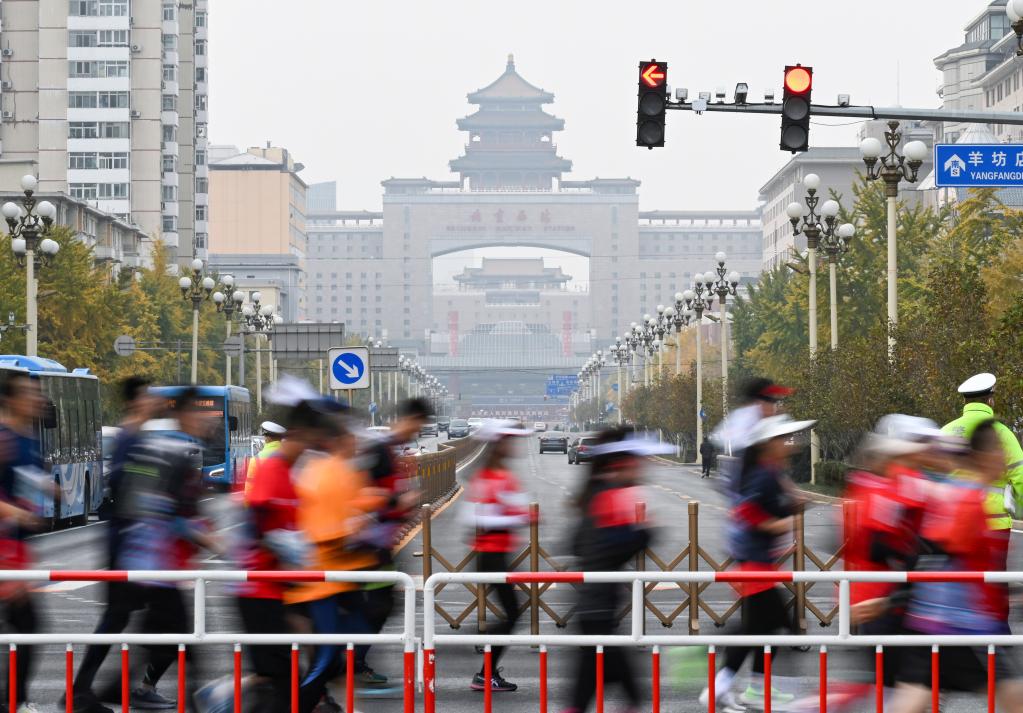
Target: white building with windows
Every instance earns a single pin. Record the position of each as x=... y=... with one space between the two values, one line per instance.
x=107 y=104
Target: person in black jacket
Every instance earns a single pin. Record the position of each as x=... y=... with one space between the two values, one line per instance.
x=609 y=536
x=706 y=457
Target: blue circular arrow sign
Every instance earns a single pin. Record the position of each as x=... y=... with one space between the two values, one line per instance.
x=348 y=368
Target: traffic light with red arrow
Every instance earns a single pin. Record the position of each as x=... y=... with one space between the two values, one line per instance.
x=652 y=103
x=795 y=108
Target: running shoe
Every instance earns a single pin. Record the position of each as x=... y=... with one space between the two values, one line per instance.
x=725 y=701
x=755 y=699
x=150 y=699
x=370 y=678
x=28 y=708
x=328 y=704
x=497 y=684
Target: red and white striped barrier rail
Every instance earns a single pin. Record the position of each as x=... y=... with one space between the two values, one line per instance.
x=639 y=638
x=199 y=635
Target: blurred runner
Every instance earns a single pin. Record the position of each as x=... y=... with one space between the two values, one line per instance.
x=269 y=539
x=334 y=503
x=161 y=485
x=762 y=515
x=953 y=528
x=396 y=477
x=886 y=499
x=272 y=435
x=608 y=538
x=139 y=406
x=21 y=478
x=761 y=398
x=497 y=508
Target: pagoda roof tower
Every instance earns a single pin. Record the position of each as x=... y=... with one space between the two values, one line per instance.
x=511 y=143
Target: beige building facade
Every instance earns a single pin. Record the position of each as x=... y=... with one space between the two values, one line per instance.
x=100 y=99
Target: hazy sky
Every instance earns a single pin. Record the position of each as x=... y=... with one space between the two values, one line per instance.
x=360 y=91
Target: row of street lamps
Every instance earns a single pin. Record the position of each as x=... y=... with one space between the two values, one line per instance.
x=648 y=338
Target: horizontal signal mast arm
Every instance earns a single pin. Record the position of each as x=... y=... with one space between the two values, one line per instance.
x=864 y=112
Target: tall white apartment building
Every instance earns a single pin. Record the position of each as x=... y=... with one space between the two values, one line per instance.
x=106 y=101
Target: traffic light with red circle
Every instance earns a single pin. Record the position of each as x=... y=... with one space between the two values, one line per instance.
x=652 y=103
x=795 y=108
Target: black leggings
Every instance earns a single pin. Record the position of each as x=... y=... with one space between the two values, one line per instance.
x=762 y=613
x=377 y=607
x=616 y=666
x=20 y=616
x=266 y=616
x=122 y=600
x=498 y=562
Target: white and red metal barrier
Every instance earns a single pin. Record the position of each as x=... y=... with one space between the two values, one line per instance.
x=639 y=638
x=200 y=636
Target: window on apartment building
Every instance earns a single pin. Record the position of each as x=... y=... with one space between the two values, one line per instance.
x=170 y=73
x=83 y=8
x=200 y=158
x=169 y=102
x=169 y=163
x=113 y=191
x=78 y=69
x=202 y=185
x=170 y=11
x=200 y=102
x=170 y=133
x=113 y=100
x=113 y=159
x=200 y=240
x=200 y=212
x=82 y=38
x=77 y=160
x=170 y=223
x=113 y=8
x=115 y=130
x=170 y=42
x=168 y=193
x=110 y=68
x=82 y=100
x=200 y=48
x=200 y=19
x=113 y=38
x=82 y=130
x=83 y=191
x=200 y=74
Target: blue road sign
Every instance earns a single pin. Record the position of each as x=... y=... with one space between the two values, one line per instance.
x=349 y=368
x=562 y=385
x=978 y=165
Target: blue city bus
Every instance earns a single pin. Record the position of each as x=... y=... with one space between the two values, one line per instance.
x=226 y=452
x=69 y=436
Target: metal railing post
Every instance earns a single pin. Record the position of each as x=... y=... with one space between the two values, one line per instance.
x=844 y=609
x=427 y=541
x=638 y=611
x=640 y=567
x=199 y=605
x=534 y=566
x=693 y=588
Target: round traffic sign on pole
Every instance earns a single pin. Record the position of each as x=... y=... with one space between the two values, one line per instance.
x=124 y=345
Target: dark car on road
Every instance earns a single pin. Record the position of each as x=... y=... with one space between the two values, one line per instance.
x=579 y=450
x=429 y=429
x=458 y=428
x=553 y=442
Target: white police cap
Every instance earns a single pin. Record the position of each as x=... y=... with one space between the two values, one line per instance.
x=270 y=427
x=978 y=385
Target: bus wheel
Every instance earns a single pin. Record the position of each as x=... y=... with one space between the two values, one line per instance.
x=83 y=519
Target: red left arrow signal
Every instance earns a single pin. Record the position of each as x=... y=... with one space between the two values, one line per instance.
x=653 y=75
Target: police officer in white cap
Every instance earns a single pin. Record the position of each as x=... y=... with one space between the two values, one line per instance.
x=979 y=393
x=272 y=434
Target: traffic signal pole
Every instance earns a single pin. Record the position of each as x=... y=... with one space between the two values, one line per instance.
x=861 y=112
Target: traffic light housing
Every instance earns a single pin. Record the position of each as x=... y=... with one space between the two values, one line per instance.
x=795 y=108
x=652 y=103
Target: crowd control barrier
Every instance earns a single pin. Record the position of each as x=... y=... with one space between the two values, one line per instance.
x=200 y=636
x=639 y=638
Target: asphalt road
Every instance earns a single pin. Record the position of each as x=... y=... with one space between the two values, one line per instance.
x=75 y=606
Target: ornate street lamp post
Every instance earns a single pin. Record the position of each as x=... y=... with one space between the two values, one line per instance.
x=835 y=243
x=259 y=320
x=892 y=168
x=198 y=287
x=812 y=228
x=698 y=304
x=29 y=226
x=724 y=286
x=683 y=316
x=228 y=300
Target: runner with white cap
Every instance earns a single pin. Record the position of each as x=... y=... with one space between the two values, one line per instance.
x=273 y=433
x=498 y=507
x=762 y=513
x=979 y=393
